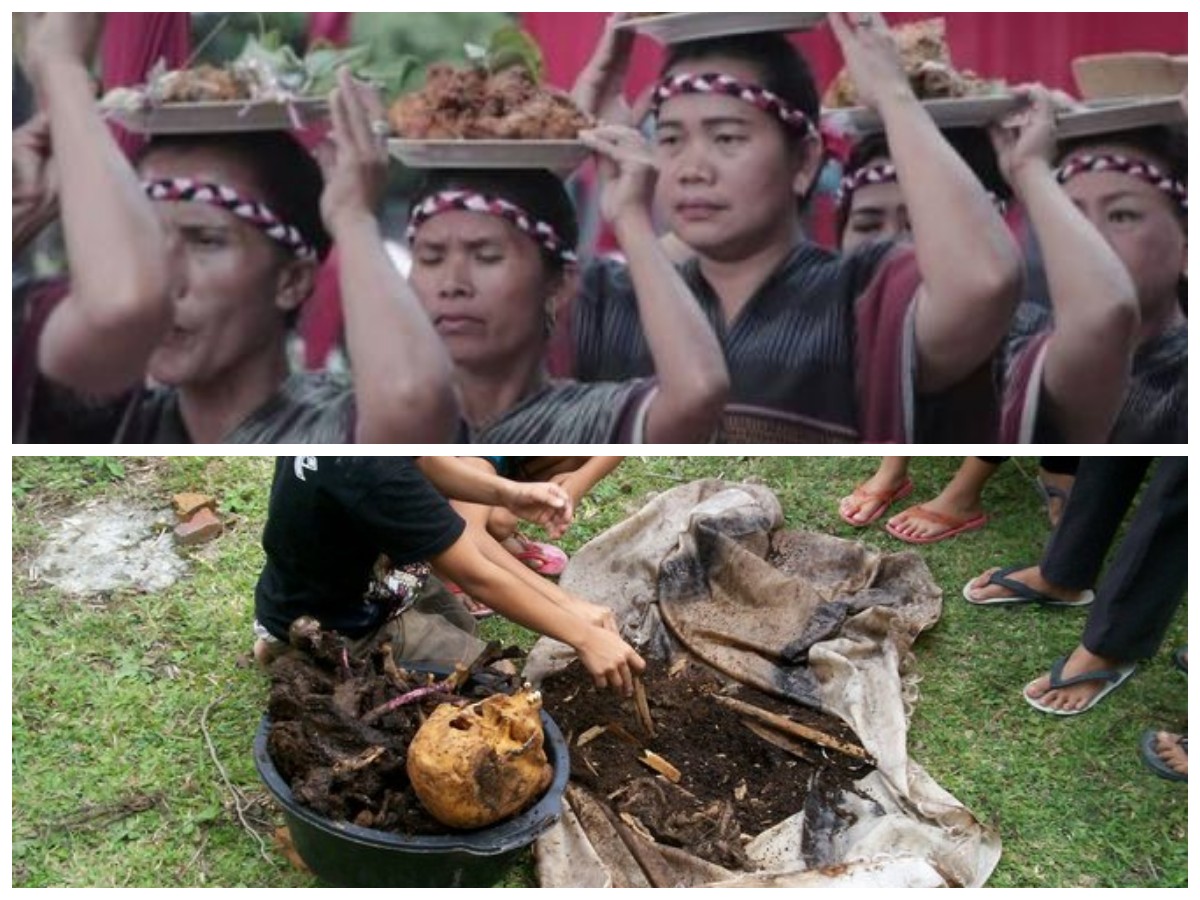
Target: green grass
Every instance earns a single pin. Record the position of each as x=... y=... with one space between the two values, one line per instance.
x=113 y=783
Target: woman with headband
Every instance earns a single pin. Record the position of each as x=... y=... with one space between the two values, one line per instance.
x=1120 y=203
x=248 y=214
x=494 y=258
x=886 y=345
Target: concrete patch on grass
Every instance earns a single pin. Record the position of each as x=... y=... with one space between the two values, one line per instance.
x=110 y=546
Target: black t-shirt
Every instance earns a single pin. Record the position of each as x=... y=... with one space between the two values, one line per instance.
x=329 y=521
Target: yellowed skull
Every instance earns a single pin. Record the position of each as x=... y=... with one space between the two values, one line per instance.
x=476 y=766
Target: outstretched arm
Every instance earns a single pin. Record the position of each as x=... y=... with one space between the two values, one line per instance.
x=403 y=377
x=693 y=381
x=98 y=340
x=1096 y=316
x=611 y=662
x=474 y=481
x=970 y=264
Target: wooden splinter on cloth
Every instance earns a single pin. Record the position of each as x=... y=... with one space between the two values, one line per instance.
x=795 y=729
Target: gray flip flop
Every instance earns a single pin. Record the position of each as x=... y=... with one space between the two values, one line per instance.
x=1022 y=594
x=1110 y=678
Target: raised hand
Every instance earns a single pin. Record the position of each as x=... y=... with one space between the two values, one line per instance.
x=33 y=172
x=1028 y=136
x=599 y=90
x=872 y=58
x=355 y=158
x=628 y=173
x=53 y=38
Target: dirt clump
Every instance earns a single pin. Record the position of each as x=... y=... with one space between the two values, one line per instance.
x=735 y=778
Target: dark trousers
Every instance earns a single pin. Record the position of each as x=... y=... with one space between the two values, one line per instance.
x=1146 y=580
x=1055 y=465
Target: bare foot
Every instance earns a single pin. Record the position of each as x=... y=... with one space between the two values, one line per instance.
x=872 y=498
x=1072 y=699
x=266 y=652
x=1172 y=750
x=935 y=519
x=981 y=592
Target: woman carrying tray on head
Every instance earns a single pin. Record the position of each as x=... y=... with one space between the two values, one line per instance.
x=1110 y=364
x=887 y=345
x=493 y=260
x=244 y=212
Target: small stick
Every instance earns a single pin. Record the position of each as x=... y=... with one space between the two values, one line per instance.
x=643 y=708
x=590 y=735
x=661 y=766
x=795 y=729
x=793 y=748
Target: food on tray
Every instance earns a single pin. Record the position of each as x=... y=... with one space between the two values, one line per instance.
x=499 y=97
x=266 y=71
x=475 y=104
x=928 y=64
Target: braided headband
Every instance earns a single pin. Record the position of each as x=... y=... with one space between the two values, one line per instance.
x=464 y=201
x=886 y=173
x=1147 y=172
x=881 y=174
x=185 y=190
x=724 y=85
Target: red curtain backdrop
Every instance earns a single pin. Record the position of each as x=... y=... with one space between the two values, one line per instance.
x=332 y=27
x=1016 y=46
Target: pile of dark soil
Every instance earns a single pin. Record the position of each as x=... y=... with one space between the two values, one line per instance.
x=340 y=741
x=734 y=783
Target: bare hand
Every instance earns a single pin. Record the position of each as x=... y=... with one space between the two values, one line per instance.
x=59 y=37
x=612 y=663
x=547 y=505
x=35 y=180
x=355 y=159
x=595 y=615
x=1027 y=137
x=628 y=174
x=599 y=90
x=872 y=58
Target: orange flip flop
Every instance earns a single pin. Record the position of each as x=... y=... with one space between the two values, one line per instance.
x=954 y=527
x=885 y=499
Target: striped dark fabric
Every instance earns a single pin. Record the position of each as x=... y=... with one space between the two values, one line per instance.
x=567 y=412
x=1155 y=411
x=792 y=354
x=308 y=409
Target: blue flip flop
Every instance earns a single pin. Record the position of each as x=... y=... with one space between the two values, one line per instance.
x=1111 y=679
x=1022 y=594
x=1154 y=762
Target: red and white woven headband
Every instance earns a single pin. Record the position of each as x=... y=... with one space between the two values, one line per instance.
x=727 y=86
x=185 y=190
x=869 y=175
x=1113 y=162
x=466 y=201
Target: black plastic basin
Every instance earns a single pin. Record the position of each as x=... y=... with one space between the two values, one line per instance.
x=341 y=855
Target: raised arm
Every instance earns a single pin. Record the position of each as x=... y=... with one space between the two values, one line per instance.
x=1096 y=315
x=693 y=381
x=970 y=264
x=98 y=340
x=402 y=373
